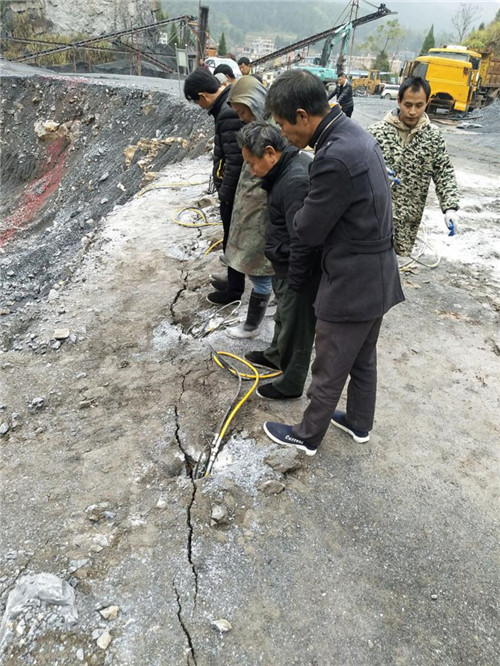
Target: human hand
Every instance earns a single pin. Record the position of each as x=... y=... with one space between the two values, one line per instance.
x=451 y=218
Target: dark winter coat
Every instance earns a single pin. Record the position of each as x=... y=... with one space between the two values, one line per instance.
x=348 y=212
x=287 y=184
x=344 y=96
x=227 y=154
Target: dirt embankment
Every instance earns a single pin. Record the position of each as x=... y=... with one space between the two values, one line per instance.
x=71 y=151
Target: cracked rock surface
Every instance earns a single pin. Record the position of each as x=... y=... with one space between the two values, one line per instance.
x=376 y=553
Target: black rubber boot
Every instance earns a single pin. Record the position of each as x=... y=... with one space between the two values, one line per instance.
x=236 y=282
x=256 y=310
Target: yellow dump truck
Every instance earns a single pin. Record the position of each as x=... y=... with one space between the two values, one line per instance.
x=460 y=79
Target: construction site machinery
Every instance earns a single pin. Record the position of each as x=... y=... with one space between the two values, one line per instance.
x=110 y=37
x=331 y=35
x=460 y=79
x=367 y=85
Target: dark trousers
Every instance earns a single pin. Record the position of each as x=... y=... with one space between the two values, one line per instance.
x=342 y=350
x=226 y=210
x=294 y=325
x=235 y=279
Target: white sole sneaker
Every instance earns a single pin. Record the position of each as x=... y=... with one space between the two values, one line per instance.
x=359 y=440
x=300 y=447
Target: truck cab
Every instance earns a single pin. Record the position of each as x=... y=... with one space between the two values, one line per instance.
x=451 y=81
x=460 y=78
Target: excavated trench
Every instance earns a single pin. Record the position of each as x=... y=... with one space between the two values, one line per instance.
x=72 y=150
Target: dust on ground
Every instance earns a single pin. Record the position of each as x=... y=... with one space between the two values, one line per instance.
x=377 y=553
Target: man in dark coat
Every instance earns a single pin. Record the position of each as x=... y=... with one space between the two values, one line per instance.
x=203 y=88
x=347 y=213
x=343 y=93
x=285 y=178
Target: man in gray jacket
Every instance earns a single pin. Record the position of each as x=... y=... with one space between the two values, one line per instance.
x=347 y=213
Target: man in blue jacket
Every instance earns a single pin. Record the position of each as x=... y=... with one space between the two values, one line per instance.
x=347 y=212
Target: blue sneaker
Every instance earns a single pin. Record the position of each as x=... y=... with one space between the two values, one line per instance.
x=339 y=421
x=282 y=434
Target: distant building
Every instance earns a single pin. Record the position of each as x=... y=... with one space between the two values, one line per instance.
x=258 y=48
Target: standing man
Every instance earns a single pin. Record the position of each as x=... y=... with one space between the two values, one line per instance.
x=246 y=68
x=347 y=213
x=244 y=65
x=343 y=93
x=416 y=151
x=227 y=71
x=285 y=177
x=203 y=88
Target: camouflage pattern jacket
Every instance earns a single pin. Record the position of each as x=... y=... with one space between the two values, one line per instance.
x=247 y=233
x=416 y=155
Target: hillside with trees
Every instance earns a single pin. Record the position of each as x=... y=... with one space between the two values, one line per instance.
x=486 y=38
x=286 y=21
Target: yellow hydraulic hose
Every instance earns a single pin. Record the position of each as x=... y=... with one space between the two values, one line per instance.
x=166 y=186
x=201 y=215
x=269 y=375
x=214 y=245
x=254 y=375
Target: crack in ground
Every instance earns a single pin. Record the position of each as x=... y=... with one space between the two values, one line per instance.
x=189 y=462
x=184 y=628
x=184 y=277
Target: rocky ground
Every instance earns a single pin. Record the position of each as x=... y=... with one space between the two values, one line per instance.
x=112 y=552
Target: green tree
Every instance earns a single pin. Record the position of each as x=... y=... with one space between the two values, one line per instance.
x=429 y=41
x=463 y=20
x=485 y=40
x=381 y=62
x=386 y=39
x=222 y=50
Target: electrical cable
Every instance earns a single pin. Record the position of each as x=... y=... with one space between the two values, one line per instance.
x=267 y=375
x=214 y=245
x=210 y=324
x=199 y=212
x=421 y=245
x=421 y=241
x=371 y=4
x=209 y=453
x=165 y=186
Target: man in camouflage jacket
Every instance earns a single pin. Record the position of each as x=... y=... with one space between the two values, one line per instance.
x=416 y=151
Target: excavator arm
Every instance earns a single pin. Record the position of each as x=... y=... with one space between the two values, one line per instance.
x=331 y=32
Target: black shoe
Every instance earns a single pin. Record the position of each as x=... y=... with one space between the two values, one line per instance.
x=221 y=298
x=359 y=436
x=257 y=358
x=283 y=434
x=268 y=391
x=220 y=285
